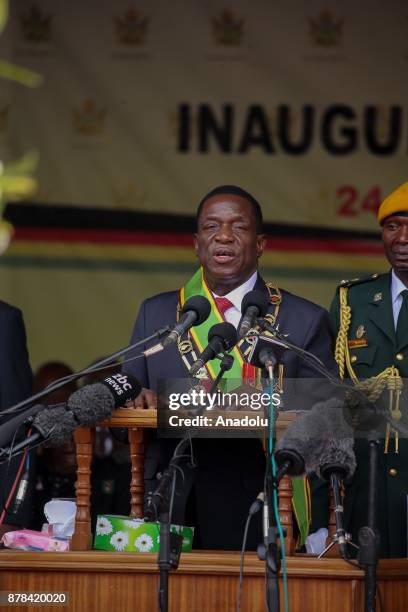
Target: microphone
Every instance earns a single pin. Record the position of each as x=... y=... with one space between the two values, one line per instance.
x=266 y=351
x=96 y=402
x=321 y=441
x=222 y=337
x=322 y=429
x=255 y=304
x=338 y=462
x=54 y=424
x=9 y=429
x=84 y=408
x=361 y=413
x=194 y=312
x=300 y=446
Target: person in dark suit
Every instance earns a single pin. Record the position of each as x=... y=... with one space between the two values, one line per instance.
x=370 y=319
x=15 y=385
x=229 y=242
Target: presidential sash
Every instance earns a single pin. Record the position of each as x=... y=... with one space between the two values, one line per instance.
x=199 y=334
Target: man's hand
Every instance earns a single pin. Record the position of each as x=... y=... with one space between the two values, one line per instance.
x=145 y=399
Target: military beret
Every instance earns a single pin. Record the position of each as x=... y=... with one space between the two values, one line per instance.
x=396 y=202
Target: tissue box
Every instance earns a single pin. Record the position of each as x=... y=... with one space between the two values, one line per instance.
x=27 y=539
x=127 y=534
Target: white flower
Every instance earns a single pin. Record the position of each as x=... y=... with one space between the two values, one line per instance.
x=144 y=543
x=119 y=540
x=135 y=524
x=103 y=526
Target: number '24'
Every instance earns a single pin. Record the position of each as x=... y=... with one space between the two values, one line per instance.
x=352 y=203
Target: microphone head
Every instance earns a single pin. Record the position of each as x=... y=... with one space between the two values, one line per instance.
x=200 y=305
x=265 y=348
x=305 y=436
x=337 y=453
x=337 y=457
x=56 y=422
x=96 y=402
x=122 y=386
x=361 y=413
x=9 y=428
x=297 y=464
x=258 y=299
x=226 y=332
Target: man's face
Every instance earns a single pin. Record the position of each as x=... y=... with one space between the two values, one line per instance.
x=227 y=242
x=395 y=240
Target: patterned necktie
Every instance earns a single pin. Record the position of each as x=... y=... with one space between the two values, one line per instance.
x=223 y=304
x=402 y=323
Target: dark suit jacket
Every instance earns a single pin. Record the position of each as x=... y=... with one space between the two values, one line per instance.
x=15 y=385
x=231 y=471
x=371 y=307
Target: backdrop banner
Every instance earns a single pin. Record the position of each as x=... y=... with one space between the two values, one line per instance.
x=147 y=105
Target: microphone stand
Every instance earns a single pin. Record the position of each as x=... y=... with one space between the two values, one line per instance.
x=64 y=381
x=159 y=502
x=341 y=537
x=227 y=362
x=368 y=536
x=269 y=551
x=158 y=508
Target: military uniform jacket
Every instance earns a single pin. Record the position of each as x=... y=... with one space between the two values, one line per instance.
x=373 y=348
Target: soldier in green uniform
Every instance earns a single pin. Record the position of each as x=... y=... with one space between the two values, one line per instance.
x=370 y=320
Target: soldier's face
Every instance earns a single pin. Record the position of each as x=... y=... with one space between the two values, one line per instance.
x=227 y=242
x=395 y=240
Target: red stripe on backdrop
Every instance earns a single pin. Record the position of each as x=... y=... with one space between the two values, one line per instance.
x=122 y=237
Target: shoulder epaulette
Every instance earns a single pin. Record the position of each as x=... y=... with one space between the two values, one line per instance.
x=357 y=281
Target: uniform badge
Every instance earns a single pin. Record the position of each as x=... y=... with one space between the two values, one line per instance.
x=377 y=297
x=353 y=344
x=360 y=331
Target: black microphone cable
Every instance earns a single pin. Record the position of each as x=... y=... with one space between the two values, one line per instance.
x=74 y=376
x=254 y=509
x=25 y=459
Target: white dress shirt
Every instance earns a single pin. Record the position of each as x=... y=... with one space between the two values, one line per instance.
x=233 y=314
x=397 y=287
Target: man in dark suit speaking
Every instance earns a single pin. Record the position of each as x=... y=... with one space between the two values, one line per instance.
x=229 y=242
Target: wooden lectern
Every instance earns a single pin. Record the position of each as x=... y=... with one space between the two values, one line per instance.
x=136 y=420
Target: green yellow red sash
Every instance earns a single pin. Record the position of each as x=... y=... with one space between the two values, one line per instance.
x=197 y=286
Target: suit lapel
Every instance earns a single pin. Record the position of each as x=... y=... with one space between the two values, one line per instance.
x=403 y=344
x=380 y=306
x=260 y=284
